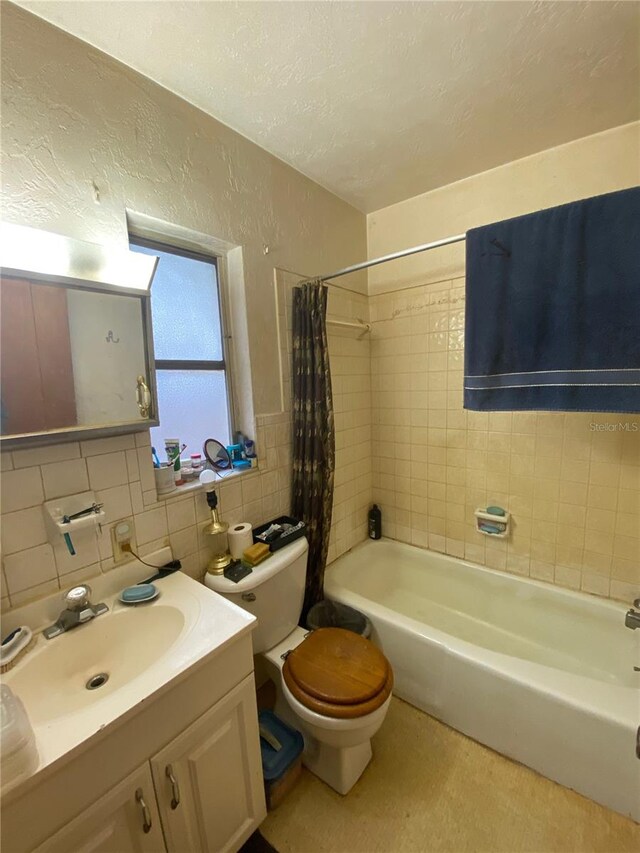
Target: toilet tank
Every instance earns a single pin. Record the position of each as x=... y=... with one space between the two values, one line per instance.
x=273 y=592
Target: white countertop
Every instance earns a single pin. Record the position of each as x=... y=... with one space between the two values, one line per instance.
x=50 y=678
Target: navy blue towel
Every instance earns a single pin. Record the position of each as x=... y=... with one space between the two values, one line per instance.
x=553 y=309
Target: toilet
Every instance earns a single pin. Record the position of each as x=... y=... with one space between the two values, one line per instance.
x=332 y=685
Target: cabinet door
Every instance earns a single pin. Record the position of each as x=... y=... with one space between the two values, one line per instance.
x=209 y=779
x=124 y=820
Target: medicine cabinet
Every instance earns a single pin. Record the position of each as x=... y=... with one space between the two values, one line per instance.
x=76 y=347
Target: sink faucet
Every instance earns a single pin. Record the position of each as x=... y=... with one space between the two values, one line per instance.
x=78 y=610
x=632 y=617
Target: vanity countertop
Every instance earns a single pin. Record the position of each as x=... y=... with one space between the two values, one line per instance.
x=144 y=649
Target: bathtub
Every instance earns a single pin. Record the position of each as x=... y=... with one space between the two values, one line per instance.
x=541 y=674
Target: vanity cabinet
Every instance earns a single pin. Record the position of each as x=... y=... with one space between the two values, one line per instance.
x=208 y=780
x=116 y=822
x=185 y=764
x=202 y=793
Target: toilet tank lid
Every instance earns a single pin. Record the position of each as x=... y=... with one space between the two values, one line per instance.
x=278 y=561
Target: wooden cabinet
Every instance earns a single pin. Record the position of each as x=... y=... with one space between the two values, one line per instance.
x=124 y=820
x=208 y=780
x=36 y=368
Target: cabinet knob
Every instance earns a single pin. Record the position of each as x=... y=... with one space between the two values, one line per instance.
x=146 y=814
x=175 y=788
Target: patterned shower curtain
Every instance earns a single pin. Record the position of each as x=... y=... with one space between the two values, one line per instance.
x=313 y=431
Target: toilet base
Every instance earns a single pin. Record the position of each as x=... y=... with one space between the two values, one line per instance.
x=340 y=767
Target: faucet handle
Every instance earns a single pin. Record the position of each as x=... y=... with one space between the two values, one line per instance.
x=77 y=597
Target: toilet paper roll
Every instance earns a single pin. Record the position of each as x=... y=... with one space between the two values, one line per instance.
x=240 y=537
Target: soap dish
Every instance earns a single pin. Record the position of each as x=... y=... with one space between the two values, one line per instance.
x=492 y=523
x=139 y=594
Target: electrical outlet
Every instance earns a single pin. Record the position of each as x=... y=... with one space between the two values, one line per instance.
x=122 y=533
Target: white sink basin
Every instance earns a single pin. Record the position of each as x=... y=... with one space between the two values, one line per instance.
x=117 y=646
x=141 y=648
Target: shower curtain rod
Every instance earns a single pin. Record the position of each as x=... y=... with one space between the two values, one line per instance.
x=392 y=257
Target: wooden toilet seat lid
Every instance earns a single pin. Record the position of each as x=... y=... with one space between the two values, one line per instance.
x=338 y=673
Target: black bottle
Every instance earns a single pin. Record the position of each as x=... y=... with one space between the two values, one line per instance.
x=375 y=522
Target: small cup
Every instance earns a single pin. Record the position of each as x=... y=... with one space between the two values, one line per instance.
x=165 y=481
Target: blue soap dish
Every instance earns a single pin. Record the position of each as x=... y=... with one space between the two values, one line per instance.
x=140 y=593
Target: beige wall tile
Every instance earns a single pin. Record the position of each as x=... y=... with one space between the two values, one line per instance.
x=145 y=469
x=184 y=542
x=624 y=591
x=151 y=525
x=29 y=568
x=21 y=489
x=85 y=543
x=107 y=445
x=45 y=455
x=64 y=478
x=33 y=593
x=596 y=584
x=107 y=470
x=23 y=529
x=603 y=520
x=569 y=577
x=117 y=502
x=627 y=570
x=181 y=514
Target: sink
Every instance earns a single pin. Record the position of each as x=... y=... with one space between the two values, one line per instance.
x=127 y=656
x=118 y=646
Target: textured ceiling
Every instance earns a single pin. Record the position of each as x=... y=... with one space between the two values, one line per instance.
x=380 y=101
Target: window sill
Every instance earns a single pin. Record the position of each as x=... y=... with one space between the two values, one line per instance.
x=196 y=486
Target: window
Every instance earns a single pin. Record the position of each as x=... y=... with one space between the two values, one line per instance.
x=188 y=339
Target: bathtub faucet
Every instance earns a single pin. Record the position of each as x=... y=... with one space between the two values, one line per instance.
x=632 y=617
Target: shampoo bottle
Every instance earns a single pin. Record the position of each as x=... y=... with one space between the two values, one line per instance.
x=375 y=522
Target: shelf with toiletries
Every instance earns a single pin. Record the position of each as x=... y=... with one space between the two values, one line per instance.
x=178 y=475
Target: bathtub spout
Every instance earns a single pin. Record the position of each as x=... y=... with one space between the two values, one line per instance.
x=632 y=617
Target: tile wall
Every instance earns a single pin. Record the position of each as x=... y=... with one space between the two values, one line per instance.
x=120 y=471
x=571 y=480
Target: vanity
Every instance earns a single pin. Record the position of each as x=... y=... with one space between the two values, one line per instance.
x=164 y=755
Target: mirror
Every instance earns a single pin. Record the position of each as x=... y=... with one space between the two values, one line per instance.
x=75 y=353
x=217 y=454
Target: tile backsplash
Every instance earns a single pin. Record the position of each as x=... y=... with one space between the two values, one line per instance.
x=570 y=480
x=120 y=471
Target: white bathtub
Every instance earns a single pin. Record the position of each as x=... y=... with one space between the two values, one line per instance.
x=540 y=674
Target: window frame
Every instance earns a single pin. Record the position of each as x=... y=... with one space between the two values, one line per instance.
x=208 y=365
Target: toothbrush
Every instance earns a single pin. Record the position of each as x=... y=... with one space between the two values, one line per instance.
x=178 y=454
x=69 y=544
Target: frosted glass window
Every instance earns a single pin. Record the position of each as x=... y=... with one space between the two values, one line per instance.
x=185 y=309
x=191 y=377
x=193 y=407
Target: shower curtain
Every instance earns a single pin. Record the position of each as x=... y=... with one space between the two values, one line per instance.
x=313 y=431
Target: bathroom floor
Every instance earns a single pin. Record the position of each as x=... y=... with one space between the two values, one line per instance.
x=430 y=788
